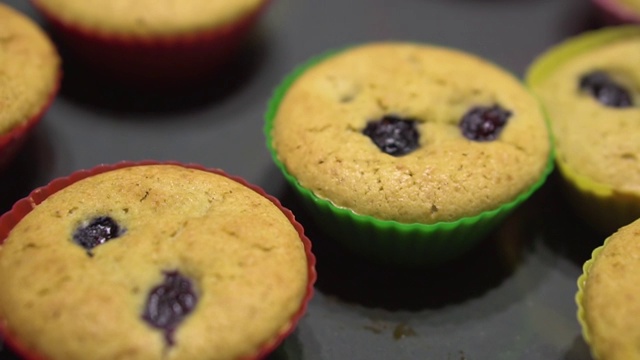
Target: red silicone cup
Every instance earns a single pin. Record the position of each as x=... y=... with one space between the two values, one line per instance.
x=163 y=61
x=23 y=206
x=613 y=13
x=12 y=142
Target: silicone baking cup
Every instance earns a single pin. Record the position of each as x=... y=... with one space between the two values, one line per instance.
x=613 y=12
x=157 y=60
x=599 y=204
x=389 y=242
x=22 y=207
x=586 y=268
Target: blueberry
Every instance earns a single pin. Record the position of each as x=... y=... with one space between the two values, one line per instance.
x=97 y=231
x=604 y=89
x=393 y=135
x=169 y=303
x=483 y=123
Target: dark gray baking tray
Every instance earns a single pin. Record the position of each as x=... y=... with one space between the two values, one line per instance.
x=511 y=298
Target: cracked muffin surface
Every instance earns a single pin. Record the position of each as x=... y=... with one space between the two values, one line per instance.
x=172 y=222
x=318 y=132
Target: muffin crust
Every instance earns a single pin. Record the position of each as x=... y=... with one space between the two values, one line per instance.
x=599 y=142
x=29 y=68
x=66 y=304
x=632 y=5
x=317 y=133
x=611 y=298
x=149 y=17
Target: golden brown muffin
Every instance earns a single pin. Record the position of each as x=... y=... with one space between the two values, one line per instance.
x=318 y=133
x=631 y=5
x=597 y=141
x=590 y=87
x=242 y=258
x=610 y=298
x=29 y=69
x=149 y=17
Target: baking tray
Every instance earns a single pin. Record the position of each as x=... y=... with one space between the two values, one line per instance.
x=510 y=298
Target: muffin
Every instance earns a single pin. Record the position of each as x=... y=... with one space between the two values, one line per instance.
x=590 y=87
x=29 y=79
x=422 y=148
x=608 y=299
x=616 y=12
x=151 y=261
x=147 y=43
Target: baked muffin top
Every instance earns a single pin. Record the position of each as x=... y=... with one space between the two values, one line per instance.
x=633 y=5
x=149 y=17
x=29 y=68
x=597 y=140
x=611 y=300
x=243 y=258
x=318 y=133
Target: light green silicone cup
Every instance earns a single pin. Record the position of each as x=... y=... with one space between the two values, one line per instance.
x=582 y=280
x=388 y=242
x=599 y=204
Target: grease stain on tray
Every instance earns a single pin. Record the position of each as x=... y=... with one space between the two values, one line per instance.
x=397 y=331
x=403 y=330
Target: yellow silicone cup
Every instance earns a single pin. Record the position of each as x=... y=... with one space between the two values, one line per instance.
x=599 y=204
x=390 y=242
x=582 y=280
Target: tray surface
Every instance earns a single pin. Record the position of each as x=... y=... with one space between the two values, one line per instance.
x=510 y=298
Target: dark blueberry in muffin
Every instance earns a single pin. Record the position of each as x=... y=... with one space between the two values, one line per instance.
x=393 y=135
x=604 y=89
x=96 y=231
x=482 y=123
x=169 y=303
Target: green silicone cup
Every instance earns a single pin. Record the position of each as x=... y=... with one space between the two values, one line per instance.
x=388 y=242
x=602 y=206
